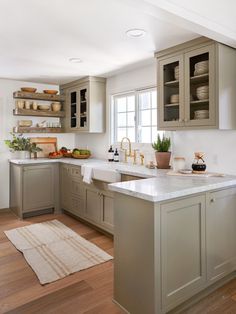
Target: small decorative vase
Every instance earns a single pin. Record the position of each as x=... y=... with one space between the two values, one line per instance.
x=163 y=160
x=21 y=154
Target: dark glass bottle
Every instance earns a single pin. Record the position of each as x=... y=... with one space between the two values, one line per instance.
x=116 y=156
x=110 y=154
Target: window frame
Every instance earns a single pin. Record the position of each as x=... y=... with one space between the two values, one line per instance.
x=114 y=113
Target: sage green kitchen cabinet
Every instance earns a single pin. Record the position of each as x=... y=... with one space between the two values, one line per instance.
x=92 y=211
x=91 y=202
x=99 y=206
x=65 y=186
x=33 y=189
x=107 y=210
x=183 y=246
x=182 y=112
x=183 y=250
x=85 y=105
x=221 y=233
x=71 y=190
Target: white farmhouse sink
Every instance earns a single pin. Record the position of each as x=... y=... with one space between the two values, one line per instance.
x=106 y=174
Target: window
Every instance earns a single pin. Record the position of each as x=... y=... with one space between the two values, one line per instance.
x=135 y=116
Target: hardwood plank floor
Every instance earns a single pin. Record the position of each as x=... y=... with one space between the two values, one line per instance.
x=86 y=292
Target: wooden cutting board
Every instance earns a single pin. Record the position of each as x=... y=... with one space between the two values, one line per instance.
x=48 y=145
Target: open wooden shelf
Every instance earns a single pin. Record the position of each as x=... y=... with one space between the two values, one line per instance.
x=36 y=130
x=38 y=96
x=38 y=113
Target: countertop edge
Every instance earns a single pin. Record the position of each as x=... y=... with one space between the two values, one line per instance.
x=173 y=195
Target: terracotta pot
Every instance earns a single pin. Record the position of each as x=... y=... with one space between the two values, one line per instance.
x=163 y=160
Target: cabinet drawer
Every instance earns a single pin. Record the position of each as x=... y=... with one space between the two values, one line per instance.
x=76 y=172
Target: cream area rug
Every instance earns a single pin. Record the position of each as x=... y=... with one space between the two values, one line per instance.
x=54 y=251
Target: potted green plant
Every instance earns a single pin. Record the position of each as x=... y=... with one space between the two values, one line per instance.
x=21 y=146
x=162 y=146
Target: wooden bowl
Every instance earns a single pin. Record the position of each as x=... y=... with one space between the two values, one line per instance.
x=55 y=157
x=50 y=91
x=80 y=156
x=67 y=155
x=28 y=89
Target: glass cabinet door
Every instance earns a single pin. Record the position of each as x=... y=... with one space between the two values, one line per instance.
x=171 y=91
x=83 y=108
x=73 y=108
x=199 y=87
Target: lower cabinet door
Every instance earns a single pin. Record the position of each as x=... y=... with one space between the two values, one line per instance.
x=107 y=215
x=65 y=187
x=183 y=257
x=93 y=202
x=221 y=233
x=38 y=188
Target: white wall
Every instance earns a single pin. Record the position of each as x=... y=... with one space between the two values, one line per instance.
x=127 y=81
x=7 y=121
x=219 y=147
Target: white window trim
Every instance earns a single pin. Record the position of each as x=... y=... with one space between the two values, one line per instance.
x=113 y=126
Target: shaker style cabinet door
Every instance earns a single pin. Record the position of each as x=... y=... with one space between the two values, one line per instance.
x=92 y=204
x=171 y=92
x=200 y=87
x=107 y=214
x=221 y=233
x=183 y=257
x=38 y=188
x=65 y=187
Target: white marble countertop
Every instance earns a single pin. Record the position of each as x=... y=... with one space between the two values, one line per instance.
x=124 y=168
x=155 y=187
x=169 y=187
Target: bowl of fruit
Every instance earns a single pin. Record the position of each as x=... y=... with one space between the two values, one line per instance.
x=81 y=153
x=66 y=152
x=55 y=155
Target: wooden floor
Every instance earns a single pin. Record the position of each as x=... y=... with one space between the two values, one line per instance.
x=89 y=291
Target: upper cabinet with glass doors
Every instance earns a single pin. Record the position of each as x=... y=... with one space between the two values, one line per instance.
x=85 y=105
x=196 y=86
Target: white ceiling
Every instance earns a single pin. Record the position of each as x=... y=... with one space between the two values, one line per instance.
x=38 y=37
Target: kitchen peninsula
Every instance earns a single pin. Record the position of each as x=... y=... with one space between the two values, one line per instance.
x=174 y=238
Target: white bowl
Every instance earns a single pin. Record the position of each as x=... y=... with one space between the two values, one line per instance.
x=202 y=64
x=174 y=98
x=44 y=107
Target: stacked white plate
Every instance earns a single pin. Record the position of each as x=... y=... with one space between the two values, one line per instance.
x=202 y=92
x=201 y=114
x=176 y=73
x=201 y=67
x=174 y=98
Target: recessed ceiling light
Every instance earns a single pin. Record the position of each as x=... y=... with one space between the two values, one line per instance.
x=75 y=60
x=136 y=33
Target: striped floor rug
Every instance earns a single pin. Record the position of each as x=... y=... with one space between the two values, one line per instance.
x=54 y=251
